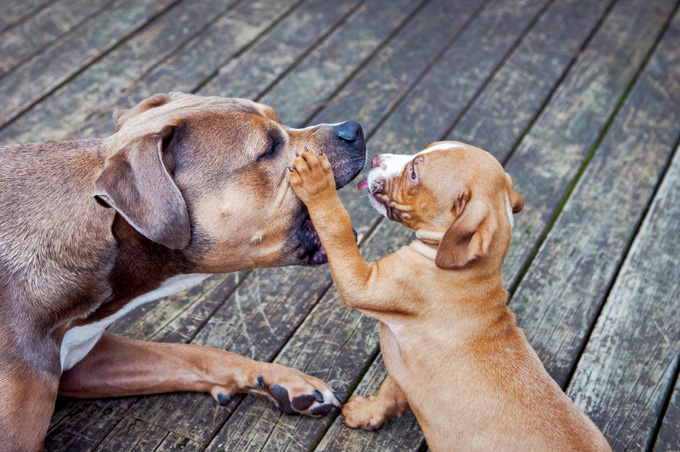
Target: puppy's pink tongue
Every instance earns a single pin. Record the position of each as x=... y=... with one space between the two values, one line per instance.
x=363 y=185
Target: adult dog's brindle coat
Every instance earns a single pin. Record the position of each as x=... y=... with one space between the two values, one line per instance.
x=187 y=186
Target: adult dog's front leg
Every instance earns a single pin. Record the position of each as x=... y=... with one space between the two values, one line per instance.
x=26 y=405
x=119 y=366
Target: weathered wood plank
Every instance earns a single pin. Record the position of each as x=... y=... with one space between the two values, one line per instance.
x=562 y=292
x=69 y=105
x=175 y=443
x=399 y=435
x=201 y=57
x=46 y=70
x=631 y=358
x=668 y=439
x=441 y=96
x=49 y=24
x=83 y=428
x=551 y=153
x=134 y=434
x=389 y=74
x=274 y=54
x=505 y=108
x=14 y=12
x=322 y=71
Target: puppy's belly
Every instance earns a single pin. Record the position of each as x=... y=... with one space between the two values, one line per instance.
x=78 y=341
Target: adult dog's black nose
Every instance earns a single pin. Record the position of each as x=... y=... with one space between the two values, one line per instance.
x=350 y=132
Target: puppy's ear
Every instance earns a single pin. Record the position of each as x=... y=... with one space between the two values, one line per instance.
x=121 y=115
x=516 y=201
x=136 y=183
x=468 y=238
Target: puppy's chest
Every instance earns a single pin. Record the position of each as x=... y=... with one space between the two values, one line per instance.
x=79 y=340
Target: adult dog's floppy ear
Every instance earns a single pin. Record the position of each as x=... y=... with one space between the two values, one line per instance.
x=468 y=238
x=136 y=183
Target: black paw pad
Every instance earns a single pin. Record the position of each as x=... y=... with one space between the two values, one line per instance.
x=322 y=410
x=340 y=398
x=303 y=402
x=318 y=396
x=280 y=394
x=222 y=398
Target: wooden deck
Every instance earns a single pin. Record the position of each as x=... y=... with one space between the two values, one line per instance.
x=580 y=99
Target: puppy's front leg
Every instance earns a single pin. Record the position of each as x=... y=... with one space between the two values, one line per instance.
x=361 y=285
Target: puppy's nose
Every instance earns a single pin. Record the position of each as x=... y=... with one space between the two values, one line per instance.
x=375 y=161
x=378 y=187
x=349 y=131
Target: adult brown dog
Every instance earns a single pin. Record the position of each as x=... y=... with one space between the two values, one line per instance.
x=90 y=229
x=451 y=346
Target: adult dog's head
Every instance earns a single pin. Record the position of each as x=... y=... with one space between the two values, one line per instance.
x=206 y=175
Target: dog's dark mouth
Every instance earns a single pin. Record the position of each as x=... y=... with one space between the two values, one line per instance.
x=311 y=251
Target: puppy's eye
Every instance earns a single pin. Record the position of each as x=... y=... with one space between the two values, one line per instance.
x=274 y=148
x=412 y=175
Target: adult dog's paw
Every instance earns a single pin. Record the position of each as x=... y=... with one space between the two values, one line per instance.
x=365 y=413
x=293 y=392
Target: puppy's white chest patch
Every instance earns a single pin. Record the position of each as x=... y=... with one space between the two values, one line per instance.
x=78 y=341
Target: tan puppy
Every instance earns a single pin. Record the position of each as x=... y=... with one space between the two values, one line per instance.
x=451 y=346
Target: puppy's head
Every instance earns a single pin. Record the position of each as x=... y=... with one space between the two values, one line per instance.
x=450 y=193
x=206 y=175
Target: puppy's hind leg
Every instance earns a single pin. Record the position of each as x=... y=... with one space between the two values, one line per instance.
x=370 y=413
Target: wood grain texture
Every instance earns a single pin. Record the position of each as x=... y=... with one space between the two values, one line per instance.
x=451 y=84
x=69 y=105
x=16 y=11
x=380 y=84
x=299 y=93
x=561 y=294
x=551 y=153
x=47 y=70
x=630 y=361
x=201 y=57
x=41 y=30
x=668 y=439
x=505 y=108
x=252 y=72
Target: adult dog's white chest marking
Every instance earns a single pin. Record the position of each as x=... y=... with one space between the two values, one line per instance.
x=78 y=341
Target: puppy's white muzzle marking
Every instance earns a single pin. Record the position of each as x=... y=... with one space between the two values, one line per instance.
x=78 y=341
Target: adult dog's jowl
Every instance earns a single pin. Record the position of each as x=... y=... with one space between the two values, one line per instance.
x=186 y=187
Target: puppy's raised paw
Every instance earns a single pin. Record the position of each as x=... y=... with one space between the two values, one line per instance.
x=365 y=413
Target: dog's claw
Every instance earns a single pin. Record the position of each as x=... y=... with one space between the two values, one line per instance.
x=222 y=398
x=297 y=154
x=318 y=396
x=340 y=398
x=306 y=149
x=259 y=382
x=322 y=410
